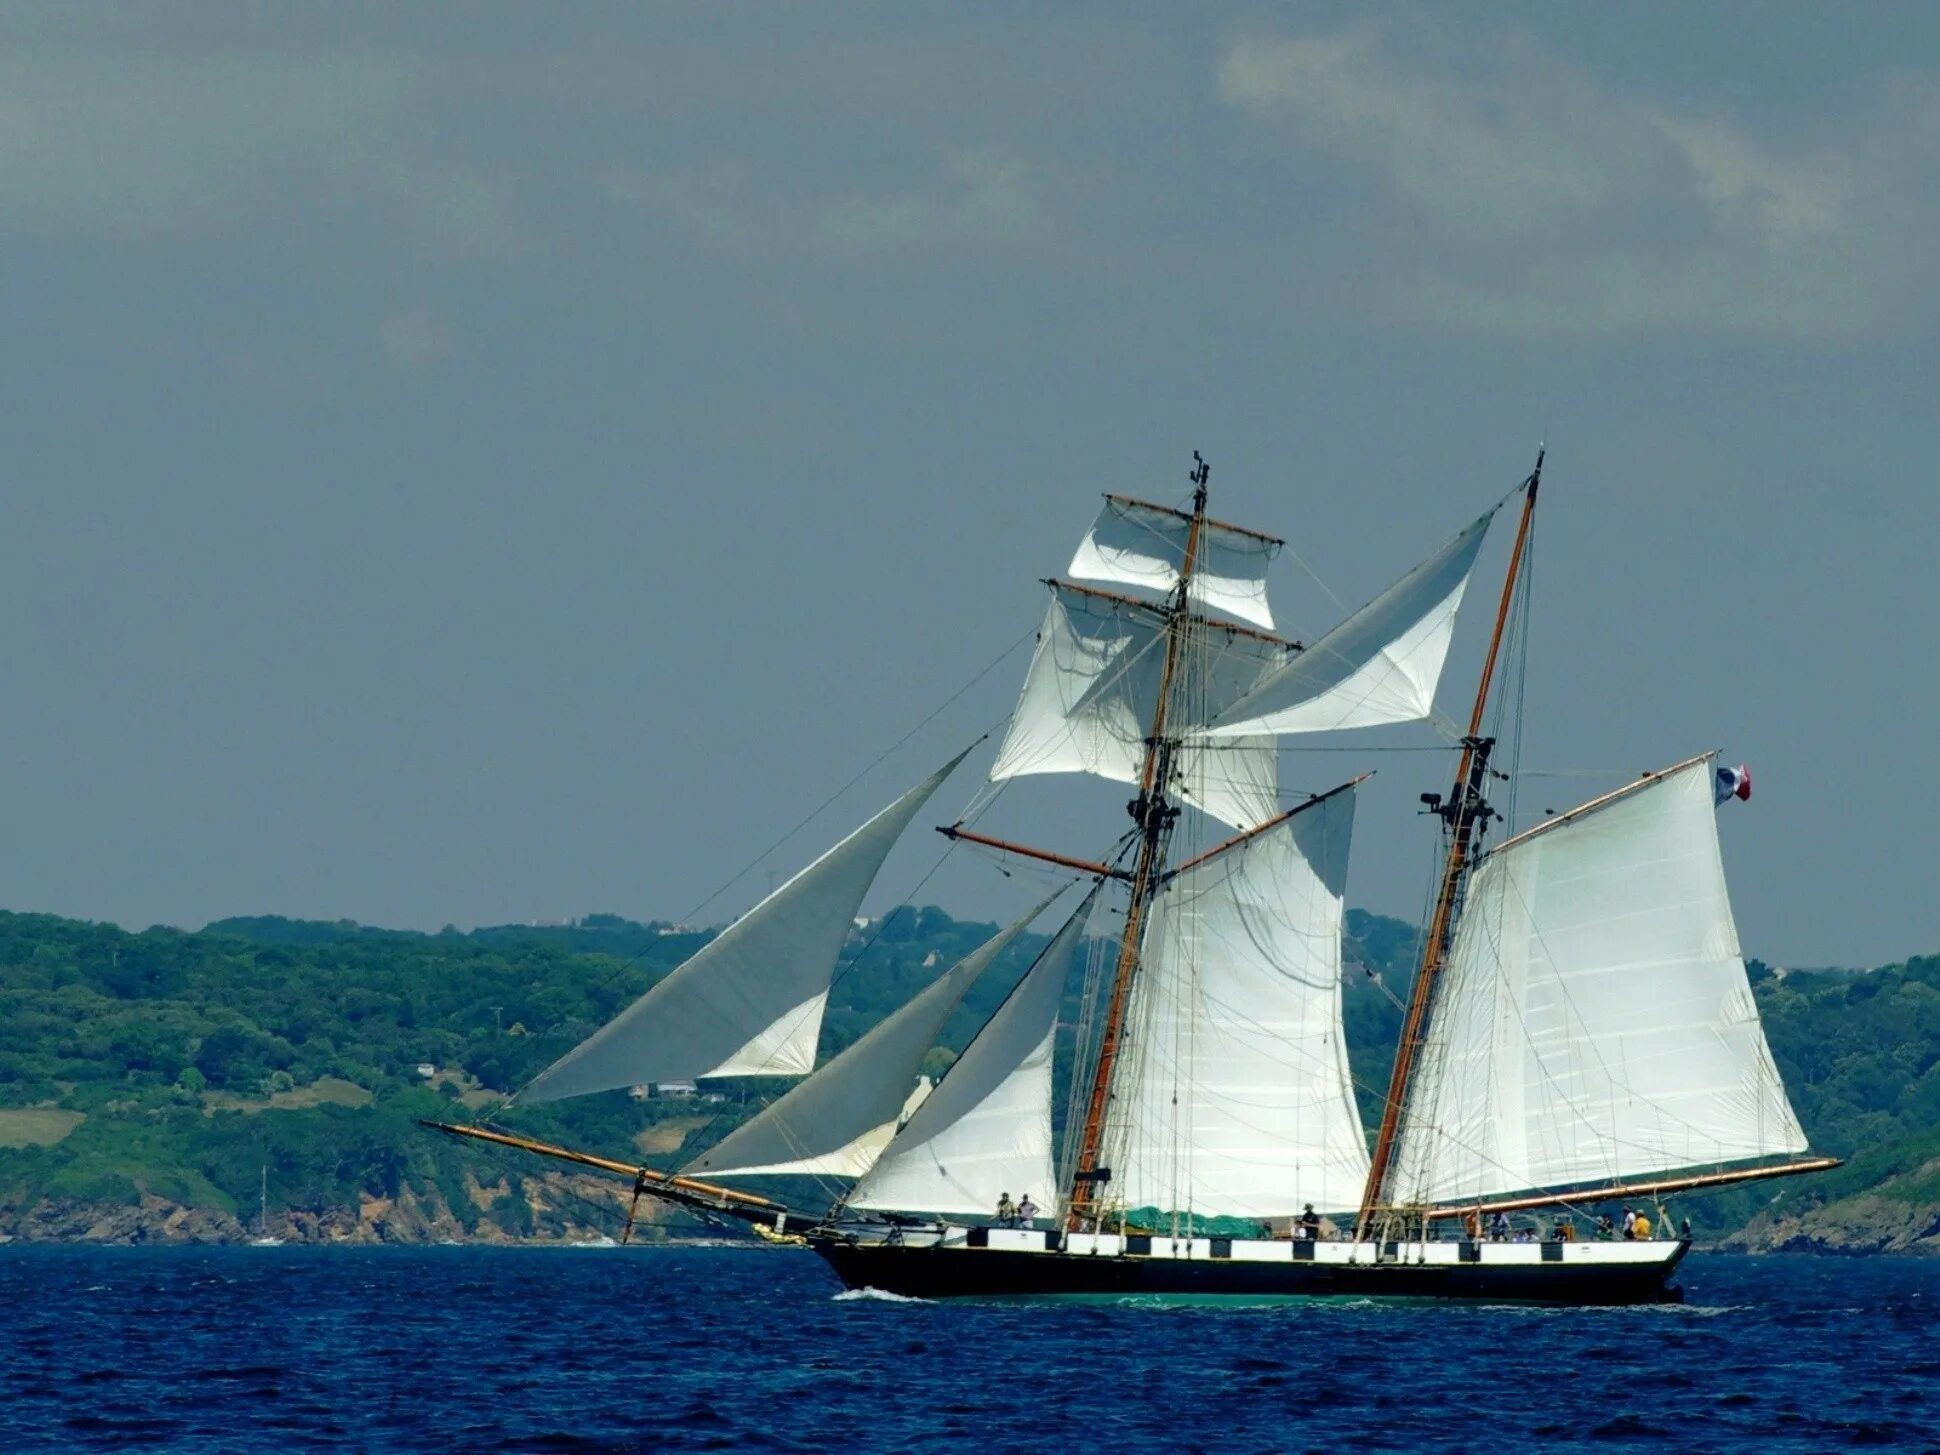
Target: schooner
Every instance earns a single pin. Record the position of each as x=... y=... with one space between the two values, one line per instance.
x=1580 y=1027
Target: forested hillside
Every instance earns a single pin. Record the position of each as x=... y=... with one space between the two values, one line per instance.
x=147 y=1080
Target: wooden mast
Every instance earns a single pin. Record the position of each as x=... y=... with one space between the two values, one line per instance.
x=1155 y=817
x=1464 y=811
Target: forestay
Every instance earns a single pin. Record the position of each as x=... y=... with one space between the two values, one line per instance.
x=986 y=1129
x=1233 y=1095
x=1136 y=544
x=1594 y=1022
x=836 y=1123
x=1379 y=666
x=750 y=1002
x=1093 y=684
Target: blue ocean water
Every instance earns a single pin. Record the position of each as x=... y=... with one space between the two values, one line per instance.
x=474 y=1349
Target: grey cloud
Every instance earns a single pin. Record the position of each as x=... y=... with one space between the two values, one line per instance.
x=1522 y=194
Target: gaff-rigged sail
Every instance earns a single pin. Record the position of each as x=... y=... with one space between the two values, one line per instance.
x=836 y=1123
x=1595 y=1023
x=1136 y=544
x=986 y=1129
x=1379 y=666
x=750 y=1002
x=1091 y=687
x=1233 y=1096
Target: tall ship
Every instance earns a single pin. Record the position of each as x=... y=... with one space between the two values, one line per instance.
x=1579 y=1030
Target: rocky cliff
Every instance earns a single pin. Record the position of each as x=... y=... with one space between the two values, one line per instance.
x=1900 y=1214
x=563 y=1208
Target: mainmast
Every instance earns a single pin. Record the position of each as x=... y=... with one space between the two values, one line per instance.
x=1155 y=816
x=1465 y=812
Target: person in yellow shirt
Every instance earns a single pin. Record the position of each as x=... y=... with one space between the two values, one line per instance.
x=1642 y=1227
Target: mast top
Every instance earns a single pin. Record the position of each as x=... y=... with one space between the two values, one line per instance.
x=1201 y=472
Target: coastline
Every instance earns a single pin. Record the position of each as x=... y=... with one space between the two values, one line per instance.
x=565 y=1214
x=564 y=1210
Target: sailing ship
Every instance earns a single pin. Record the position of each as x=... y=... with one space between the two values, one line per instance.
x=1579 y=1029
x=264 y=1237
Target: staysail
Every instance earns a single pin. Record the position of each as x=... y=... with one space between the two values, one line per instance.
x=1232 y=1096
x=749 y=1003
x=1133 y=543
x=1595 y=1022
x=1094 y=680
x=986 y=1129
x=836 y=1123
x=1379 y=666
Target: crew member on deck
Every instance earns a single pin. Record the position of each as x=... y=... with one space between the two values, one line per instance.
x=1310 y=1224
x=1006 y=1212
x=1026 y=1210
x=1499 y=1228
x=1641 y=1227
x=1629 y=1223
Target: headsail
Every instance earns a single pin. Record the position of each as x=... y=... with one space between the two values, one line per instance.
x=986 y=1129
x=1379 y=666
x=1136 y=544
x=1233 y=1095
x=750 y=1002
x=836 y=1123
x=1088 y=698
x=1595 y=1023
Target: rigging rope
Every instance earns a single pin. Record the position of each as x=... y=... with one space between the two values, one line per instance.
x=735 y=878
x=936 y=712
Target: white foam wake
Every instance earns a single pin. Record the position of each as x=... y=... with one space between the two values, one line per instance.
x=875 y=1295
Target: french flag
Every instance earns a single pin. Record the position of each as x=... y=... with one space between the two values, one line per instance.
x=1733 y=783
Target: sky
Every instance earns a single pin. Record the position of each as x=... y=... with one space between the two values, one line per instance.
x=485 y=463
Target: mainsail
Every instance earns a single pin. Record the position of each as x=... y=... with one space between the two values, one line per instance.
x=1381 y=665
x=986 y=1129
x=1233 y=1097
x=836 y=1123
x=1091 y=687
x=750 y=1002
x=1595 y=1022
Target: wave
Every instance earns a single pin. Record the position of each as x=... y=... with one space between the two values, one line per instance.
x=874 y=1295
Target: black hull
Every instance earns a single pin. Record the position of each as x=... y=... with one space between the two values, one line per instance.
x=936 y=1272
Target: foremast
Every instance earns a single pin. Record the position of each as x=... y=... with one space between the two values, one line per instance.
x=1466 y=812
x=1154 y=814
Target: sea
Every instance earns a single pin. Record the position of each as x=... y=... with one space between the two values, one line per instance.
x=461 y=1349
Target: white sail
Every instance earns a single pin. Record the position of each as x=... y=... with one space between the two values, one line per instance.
x=1092 y=686
x=836 y=1123
x=1595 y=1022
x=1232 y=1095
x=1135 y=544
x=986 y=1129
x=1379 y=666
x=749 y=1003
